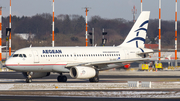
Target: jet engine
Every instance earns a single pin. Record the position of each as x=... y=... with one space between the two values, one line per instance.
x=36 y=74
x=82 y=72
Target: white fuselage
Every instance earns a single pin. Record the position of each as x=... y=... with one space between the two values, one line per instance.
x=54 y=59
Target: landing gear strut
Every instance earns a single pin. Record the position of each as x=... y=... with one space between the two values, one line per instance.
x=29 y=77
x=61 y=78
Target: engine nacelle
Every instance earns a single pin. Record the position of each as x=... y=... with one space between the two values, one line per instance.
x=36 y=74
x=82 y=72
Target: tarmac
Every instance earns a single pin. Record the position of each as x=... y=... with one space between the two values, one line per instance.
x=113 y=84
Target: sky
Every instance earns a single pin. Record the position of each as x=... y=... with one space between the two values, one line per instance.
x=108 y=9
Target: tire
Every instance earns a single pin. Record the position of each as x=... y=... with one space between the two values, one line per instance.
x=94 y=79
x=28 y=80
x=59 y=78
x=62 y=78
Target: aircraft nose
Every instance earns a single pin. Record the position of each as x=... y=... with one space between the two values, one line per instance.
x=9 y=63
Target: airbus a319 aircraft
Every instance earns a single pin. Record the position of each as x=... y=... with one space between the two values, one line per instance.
x=82 y=62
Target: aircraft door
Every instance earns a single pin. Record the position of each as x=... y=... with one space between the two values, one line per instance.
x=75 y=56
x=36 y=57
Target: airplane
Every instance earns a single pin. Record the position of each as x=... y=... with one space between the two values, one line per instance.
x=82 y=62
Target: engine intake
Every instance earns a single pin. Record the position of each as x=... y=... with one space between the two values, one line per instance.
x=82 y=72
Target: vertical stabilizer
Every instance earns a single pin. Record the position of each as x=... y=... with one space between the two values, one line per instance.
x=137 y=35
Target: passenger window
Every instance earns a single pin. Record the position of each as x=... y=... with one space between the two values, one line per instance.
x=15 y=55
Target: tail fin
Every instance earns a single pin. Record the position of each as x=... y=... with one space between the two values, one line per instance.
x=137 y=35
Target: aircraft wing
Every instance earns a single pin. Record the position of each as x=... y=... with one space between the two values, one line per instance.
x=103 y=64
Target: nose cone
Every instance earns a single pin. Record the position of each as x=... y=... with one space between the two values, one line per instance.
x=9 y=64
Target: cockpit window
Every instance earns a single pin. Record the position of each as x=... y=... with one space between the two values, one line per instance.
x=15 y=55
x=24 y=55
x=20 y=55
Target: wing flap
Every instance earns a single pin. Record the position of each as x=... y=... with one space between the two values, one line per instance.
x=102 y=64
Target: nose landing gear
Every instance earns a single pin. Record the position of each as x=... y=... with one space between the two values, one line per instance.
x=29 y=77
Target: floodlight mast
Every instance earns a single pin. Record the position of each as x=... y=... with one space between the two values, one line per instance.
x=141 y=6
x=0 y=33
x=53 y=26
x=134 y=11
x=159 y=30
x=87 y=9
x=176 y=64
x=10 y=32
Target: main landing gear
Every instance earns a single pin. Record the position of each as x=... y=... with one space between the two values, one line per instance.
x=94 y=79
x=29 y=77
x=61 y=78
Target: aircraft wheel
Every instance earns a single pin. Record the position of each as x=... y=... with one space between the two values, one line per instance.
x=64 y=78
x=94 y=79
x=28 y=80
x=61 y=78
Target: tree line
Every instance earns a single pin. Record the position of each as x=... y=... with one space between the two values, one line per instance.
x=70 y=30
